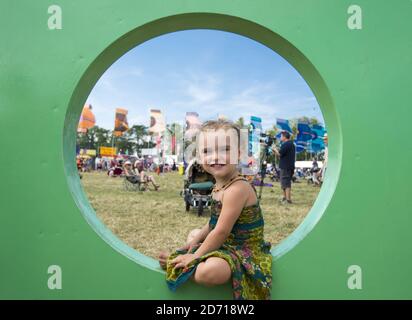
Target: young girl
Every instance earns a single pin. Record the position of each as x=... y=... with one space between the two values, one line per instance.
x=231 y=245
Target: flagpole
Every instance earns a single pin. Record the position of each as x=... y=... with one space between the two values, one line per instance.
x=183 y=140
x=113 y=141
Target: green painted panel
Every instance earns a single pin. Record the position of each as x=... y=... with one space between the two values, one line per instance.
x=361 y=79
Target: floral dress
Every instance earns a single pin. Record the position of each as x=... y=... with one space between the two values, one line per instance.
x=245 y=250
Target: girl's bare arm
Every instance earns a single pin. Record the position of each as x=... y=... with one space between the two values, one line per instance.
x=234 y=200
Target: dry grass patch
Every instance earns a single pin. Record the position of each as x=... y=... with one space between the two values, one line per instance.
x=150 y=221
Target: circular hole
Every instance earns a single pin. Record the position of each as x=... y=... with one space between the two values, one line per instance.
x=118 y=48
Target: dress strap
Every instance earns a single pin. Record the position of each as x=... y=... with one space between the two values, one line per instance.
x=238 y=178
x=254 y=189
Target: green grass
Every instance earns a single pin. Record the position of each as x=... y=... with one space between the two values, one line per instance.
x=151 y=221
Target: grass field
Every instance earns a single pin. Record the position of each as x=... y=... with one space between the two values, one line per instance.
x=150 y=221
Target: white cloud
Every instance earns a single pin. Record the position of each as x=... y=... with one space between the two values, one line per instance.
x=199 y=88
x=207 y=94
x=201 y=94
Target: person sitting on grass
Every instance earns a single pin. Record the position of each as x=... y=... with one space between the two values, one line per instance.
x=140 y=170
x=231 y=246
x=130 y=173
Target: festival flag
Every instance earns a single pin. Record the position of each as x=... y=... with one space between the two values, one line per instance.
x=304 y=132
x=317 y=145
x=301 y=146
x=158 y=141
x=284 y=125
x=254 y=148
x=174 y=144
x=167 y=142
x=120 y=122
x=157 y=121
x=193 y=125
x=87 y=119
x=317 y=139
x=318 y=131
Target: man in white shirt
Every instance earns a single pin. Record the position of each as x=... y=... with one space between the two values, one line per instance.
x=325 y=161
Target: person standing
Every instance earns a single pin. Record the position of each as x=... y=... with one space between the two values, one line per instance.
x=325 y=160
x=286 y=155
x=98 y=164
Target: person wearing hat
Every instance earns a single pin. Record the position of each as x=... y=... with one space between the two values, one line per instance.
x=140 y=170
x=129 y=172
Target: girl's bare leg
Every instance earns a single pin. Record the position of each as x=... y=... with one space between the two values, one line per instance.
x=192 y=234
x=152 y=180
x=214 y=271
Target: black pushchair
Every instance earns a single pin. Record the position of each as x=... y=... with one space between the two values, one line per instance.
x=198 y=186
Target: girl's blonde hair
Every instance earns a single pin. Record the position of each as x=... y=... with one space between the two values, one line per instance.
x=220 y=124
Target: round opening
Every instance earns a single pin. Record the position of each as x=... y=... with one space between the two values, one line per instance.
x=186 y=22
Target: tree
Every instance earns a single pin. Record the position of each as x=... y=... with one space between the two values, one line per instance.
x=125 y=144
x=241 y=122
x=87 y=140
x=103 y=137
x=94 y=138
x=137 y=134
x=313 y=121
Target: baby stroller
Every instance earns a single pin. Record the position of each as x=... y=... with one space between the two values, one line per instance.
x=198 y=185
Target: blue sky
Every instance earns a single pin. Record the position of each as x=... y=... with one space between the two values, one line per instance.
x=206 y=71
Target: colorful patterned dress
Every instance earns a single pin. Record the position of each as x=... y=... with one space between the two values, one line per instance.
x=246 y=252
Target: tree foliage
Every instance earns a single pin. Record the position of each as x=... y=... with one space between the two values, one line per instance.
x=132 y=140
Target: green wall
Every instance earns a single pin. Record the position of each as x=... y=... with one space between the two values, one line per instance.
x=361 y=79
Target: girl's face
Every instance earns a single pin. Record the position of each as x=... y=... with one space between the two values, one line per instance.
x=219 y=151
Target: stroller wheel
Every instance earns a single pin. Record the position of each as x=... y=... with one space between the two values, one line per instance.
x=200 y=208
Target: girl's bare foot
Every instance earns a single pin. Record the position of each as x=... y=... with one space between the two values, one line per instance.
x=163 y=255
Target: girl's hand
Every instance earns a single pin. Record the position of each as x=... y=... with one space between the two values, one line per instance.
x=183 y=260
x=188 y=247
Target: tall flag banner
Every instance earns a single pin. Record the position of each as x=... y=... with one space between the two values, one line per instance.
x=120 y=122
x=157 y=121
x=167 y=142
x=87 y=119
x=317 y=145
x=174 y=144
x=158 y=142
x=283 y=125
x=301 y=146
x=317 y=139
x=193 y=125
x=318 y=130
x=304 y=132
x=304 y=136
x=255 y=132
